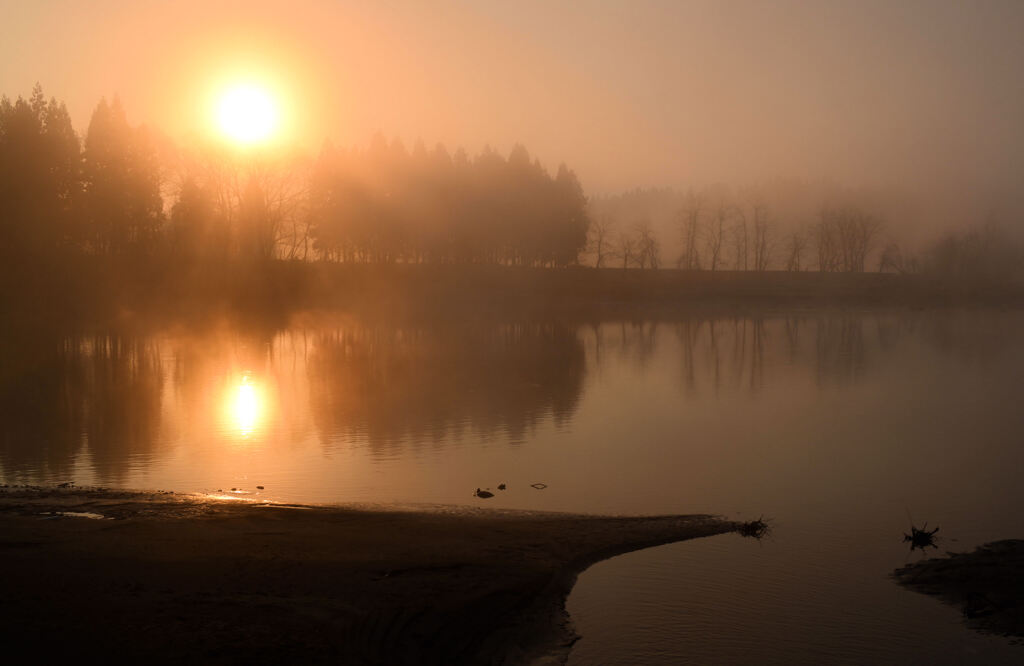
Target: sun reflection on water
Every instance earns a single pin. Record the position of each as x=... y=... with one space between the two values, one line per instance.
x=246 y=407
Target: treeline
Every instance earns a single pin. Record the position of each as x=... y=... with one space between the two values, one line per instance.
x=125 y=191
x=788 y=227
x=123 y=194
x=385 y=205
x=716 y=228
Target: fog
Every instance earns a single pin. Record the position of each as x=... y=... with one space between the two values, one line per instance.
x=691 y=266
x=920 y=95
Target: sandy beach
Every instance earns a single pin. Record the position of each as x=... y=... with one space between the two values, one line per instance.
x=161 y=577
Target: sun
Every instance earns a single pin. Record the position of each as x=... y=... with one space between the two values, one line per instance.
x=247 y=113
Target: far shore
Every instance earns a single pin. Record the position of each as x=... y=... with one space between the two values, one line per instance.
x=88 y=289
x=164 y=577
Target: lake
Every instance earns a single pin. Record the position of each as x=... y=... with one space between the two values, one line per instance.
x=837 y=426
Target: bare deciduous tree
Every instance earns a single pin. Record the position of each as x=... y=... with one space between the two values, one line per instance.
x=764 y=243
x=689 y=226
x=740 y=240
x=715 y=235
x=599 y=242
x=625 y=249
x=795 y=248
x=826 y=245
x=648 y=248
x=844 y=236
x=857 y=232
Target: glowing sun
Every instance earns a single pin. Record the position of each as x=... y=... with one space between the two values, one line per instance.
x=247 y=114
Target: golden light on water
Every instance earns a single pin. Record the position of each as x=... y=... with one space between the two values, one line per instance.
x=246 y=407
x=247 y=114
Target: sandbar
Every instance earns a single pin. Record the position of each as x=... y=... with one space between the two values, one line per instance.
x=156 y=576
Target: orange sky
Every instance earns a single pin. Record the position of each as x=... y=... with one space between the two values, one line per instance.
x=642 y=93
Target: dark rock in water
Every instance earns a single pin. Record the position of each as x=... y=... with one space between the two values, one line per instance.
x=539 y=486
x=259 y=487
x=483 y=493
x=501 y=486
x=987 y=585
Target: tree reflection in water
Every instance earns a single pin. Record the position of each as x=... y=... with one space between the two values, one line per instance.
x=63 y=397
x=418 y=384
x=90 y=406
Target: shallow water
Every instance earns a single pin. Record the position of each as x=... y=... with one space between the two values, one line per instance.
x=834 y=425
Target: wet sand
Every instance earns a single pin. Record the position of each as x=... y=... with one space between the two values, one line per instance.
x=164 y=577
x=987 y=585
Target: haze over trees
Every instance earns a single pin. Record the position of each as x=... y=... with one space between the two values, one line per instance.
x=387 y=205
x=789 y=227
x=119 y=193
x=128 y=194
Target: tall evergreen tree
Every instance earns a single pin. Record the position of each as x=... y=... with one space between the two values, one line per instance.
x=121 y=176
x=39 y=175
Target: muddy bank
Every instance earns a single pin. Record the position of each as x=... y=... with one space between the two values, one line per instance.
x=166 y=577
x=987 y=585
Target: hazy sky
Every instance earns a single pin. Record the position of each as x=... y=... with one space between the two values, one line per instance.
x=638 y=93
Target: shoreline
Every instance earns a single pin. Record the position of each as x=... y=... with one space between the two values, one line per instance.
x=87 y=289
x=986 y=584
x=165 y=576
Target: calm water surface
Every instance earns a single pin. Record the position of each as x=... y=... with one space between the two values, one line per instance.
x=834 y=425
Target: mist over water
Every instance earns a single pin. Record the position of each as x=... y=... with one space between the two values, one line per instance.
x=834 y=424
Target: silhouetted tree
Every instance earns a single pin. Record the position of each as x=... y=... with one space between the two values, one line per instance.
x=570 y=223
x=196 y=234
x=796 y=245
x=39 y=176
x=763 y=241
x=648 y=249
x=826 y=242
x=843 y=238
x=856 y=230
x=625 y=249
x=740 y=240
x=122 y=183
x=689 y=222
x=599 y=243
x=386 y=205
x=715 y=234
